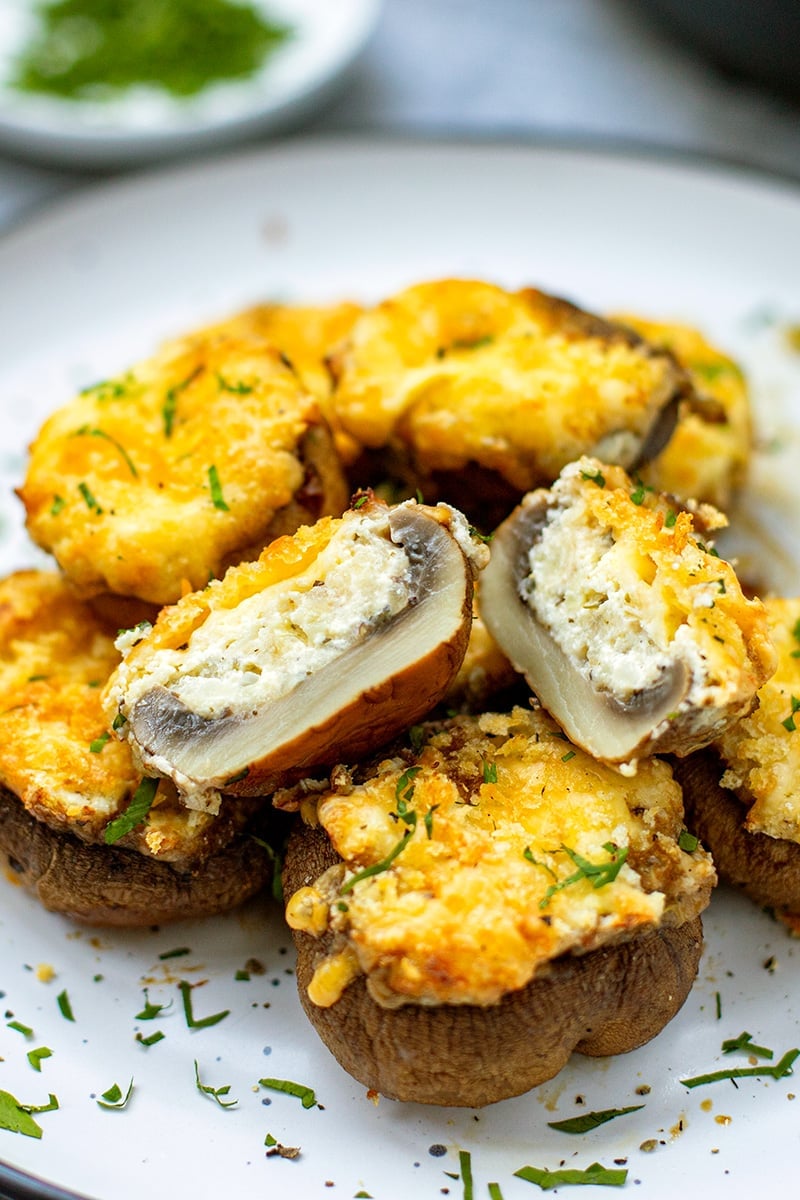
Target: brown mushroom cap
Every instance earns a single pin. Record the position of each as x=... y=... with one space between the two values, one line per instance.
x=381 y=683
x=608 y=1001
x=105 y=885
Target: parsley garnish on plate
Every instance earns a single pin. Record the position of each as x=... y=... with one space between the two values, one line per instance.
x=595 y=1173
x=590 y=1120
x=306 y=1095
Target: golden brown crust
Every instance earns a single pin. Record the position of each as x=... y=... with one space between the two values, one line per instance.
x=457 y=373
x=103 y=885
x=152 y=482
x=605 y=1002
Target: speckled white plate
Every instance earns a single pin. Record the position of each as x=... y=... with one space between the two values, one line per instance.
x=95 y=283
x=300 y=76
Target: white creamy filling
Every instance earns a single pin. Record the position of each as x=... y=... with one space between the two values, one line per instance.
x=592 y=595
x=249 y=656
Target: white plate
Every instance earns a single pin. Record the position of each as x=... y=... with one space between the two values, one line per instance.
x=298 y=77
x=95 y=283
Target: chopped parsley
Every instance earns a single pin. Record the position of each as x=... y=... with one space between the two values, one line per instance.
x=594 y=477
x=465 y=1169
x=99 y=742
x=600 y=874
x=170 y=406
x=215 y=488
x=57 y=505
x=494 y=1191
x=35 y=1057
x=25 y=1030
x=789 y=723
x=185 y=989
x=134 y=814
x=240 y=388
x=152 y=1038
x=489 y=772
x=796 y=636
x=427 y=820
x=670 y=518
x=378 y=867
x=778 y=1071
x=89 y=499
x=745 y=1042
x=114 y=1096
x=306 y=1095
x=590 y=1120
x=218 y=1094
x=568 y=756
x=687 y=841
x=596 y=1173
x=89 y=431
x=151 y=1011
x=637 y=496
x=16 y=1117
x=64 y=1006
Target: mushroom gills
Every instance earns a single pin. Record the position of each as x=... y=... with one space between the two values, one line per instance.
x=206 y=752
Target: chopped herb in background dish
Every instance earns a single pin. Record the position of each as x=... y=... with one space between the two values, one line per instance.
x=217 y=1094
x=25 y=1030
x=93 y=49
x=588 y=1121
x=596 y=1173
x=114 y=1098
x=306 y=1095
x=16 y=1117
x=150 y=1011
x=494 y=1191
x=151 y=1040
x=205 y=1022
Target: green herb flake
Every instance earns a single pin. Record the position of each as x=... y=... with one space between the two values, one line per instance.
x=745 y=1043
x=151 y=1039
x=114 y=1098
x=36 y=1057
x=600 y=874
x=119 y=720
x=57 y=506
x=480 y=537
x=215 y=487
x=594 y=477
x=178 y=952
x=360 y=501
x=427 y=820
x=205 y=1022
x=489 y=772
x=778 y=1071
x=306 y=1095
x=718 y=1002
x=789 y=724
x=240 y=388
x=150 y=1011
x=18 y=1027
x=591 y=1120
x=88 y=431
x=97 y=745
x=89 y=499
x=134 y=814
x=465 y=1171
x=378 y=867
x=637 y=496
x=568 y=756
x=269 y=1140
x=494 y=1191
x=218 y=1094
x=670 y=518
x=16 y=1117
x=64 y=1006
x=687 y=841
x=416 y=738
x=596 y=1173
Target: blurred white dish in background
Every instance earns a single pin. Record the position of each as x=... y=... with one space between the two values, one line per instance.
x=148 y=123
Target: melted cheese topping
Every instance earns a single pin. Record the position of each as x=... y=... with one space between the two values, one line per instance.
x=496 y=813
x=521 y=383
x=762 y=752
x=625 y=586
x=150 y=482
x=55 y=656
